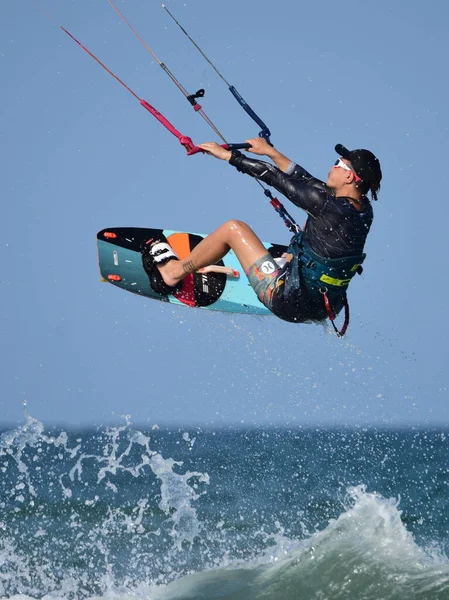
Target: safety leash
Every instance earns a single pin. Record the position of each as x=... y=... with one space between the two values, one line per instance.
x=331 y=315
x=289 y=221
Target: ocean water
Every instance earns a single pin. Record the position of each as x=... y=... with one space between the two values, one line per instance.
x=269 y=513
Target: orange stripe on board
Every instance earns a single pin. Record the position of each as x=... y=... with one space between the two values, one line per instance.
x=181 y=245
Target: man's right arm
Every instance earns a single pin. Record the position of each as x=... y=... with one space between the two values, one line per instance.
x=261 y=147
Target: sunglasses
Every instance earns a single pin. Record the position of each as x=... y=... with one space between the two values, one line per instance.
x=343 y=165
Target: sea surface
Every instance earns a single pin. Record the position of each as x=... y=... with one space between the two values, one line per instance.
x=269 y=513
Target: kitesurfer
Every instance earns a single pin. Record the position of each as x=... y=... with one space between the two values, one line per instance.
x=321 y=260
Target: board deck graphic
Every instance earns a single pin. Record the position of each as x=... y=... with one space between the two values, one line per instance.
x=121 y=263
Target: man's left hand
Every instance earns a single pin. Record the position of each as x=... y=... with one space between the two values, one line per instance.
x=216 y=150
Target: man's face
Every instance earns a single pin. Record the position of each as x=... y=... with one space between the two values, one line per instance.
x=340 y=174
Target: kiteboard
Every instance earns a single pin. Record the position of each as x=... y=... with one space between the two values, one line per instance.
x=221 y=287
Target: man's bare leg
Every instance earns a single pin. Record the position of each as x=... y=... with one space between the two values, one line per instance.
x=234 y=235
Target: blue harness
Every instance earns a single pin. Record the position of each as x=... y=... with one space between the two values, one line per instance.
x=319 y=273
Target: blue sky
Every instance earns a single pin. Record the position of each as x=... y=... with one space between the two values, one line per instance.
x=79 y=154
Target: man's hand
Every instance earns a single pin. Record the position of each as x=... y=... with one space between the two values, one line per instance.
x=260 y=146
x=216 y=150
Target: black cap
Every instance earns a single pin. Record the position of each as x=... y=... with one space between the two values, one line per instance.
x=364 y=163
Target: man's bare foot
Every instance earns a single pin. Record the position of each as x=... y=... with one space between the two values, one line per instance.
x=172 y=272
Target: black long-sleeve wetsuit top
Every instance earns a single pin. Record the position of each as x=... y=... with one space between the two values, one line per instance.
x=334 y=228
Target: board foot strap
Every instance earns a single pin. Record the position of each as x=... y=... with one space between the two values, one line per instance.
x=229 y=271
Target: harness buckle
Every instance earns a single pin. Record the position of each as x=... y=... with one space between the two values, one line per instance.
x=308 y=262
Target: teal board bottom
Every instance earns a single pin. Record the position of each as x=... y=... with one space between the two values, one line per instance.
x=120 y=260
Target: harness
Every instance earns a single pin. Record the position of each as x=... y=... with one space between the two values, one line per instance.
x=328 y=277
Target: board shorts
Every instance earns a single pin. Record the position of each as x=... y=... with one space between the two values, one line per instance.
x=264 y=277
x=285 y=294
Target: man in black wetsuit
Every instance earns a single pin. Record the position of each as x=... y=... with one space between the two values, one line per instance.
x=321 y=260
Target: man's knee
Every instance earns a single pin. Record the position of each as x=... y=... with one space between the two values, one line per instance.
x=237 y=227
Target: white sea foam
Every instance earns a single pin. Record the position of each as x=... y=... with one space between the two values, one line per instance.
x=366 y=553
